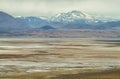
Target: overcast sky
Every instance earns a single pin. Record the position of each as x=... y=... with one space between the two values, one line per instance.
x=51 y=7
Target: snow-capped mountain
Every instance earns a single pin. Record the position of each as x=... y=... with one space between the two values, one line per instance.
x=74 y=15
x=71 y=16
x=69 y=20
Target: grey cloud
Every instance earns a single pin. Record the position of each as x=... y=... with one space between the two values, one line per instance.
x=51 y=7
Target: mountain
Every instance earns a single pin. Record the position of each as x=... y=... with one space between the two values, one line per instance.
x=108 y=25
x=47 y=27
x=80 y=20
x=5 y=17
x=74 y=20
x=71 y=17
x=70 y=20
x=78 y=16
x=8 y=22
x=32 y=22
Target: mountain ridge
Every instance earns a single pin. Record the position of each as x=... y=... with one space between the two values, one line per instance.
x=69 y=20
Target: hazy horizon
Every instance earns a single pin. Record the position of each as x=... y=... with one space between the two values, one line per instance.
x=52 y=7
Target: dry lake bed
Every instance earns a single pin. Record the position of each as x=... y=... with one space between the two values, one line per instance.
x=59 y=58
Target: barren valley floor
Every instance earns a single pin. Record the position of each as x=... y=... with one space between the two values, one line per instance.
x=59 y=58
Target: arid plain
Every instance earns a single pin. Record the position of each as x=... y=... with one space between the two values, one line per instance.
x=59 y=58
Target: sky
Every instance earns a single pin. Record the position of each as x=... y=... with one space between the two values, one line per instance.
x=52 y=7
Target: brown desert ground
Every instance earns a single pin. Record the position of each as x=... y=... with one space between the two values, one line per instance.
x=59 y=58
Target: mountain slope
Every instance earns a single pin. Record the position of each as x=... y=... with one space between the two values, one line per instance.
x=8 y=22
x=71 y=16
x=32 y=22
x=5 y=17
x=69 y=20
x=47 y=27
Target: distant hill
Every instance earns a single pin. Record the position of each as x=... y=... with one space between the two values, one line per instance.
x=32 y=22
x=47 y=27
x=4 y=17
x=8 y=22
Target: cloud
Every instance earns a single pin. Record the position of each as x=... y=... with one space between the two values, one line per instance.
x=51 y=7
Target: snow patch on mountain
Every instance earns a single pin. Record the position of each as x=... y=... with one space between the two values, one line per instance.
x=71 y=16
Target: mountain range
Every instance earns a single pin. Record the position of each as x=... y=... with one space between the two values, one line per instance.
x=70 y=20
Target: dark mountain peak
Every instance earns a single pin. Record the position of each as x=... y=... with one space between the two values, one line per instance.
x=8 y=22
x=47 y=27
x=3 y=14
x=5 y=17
